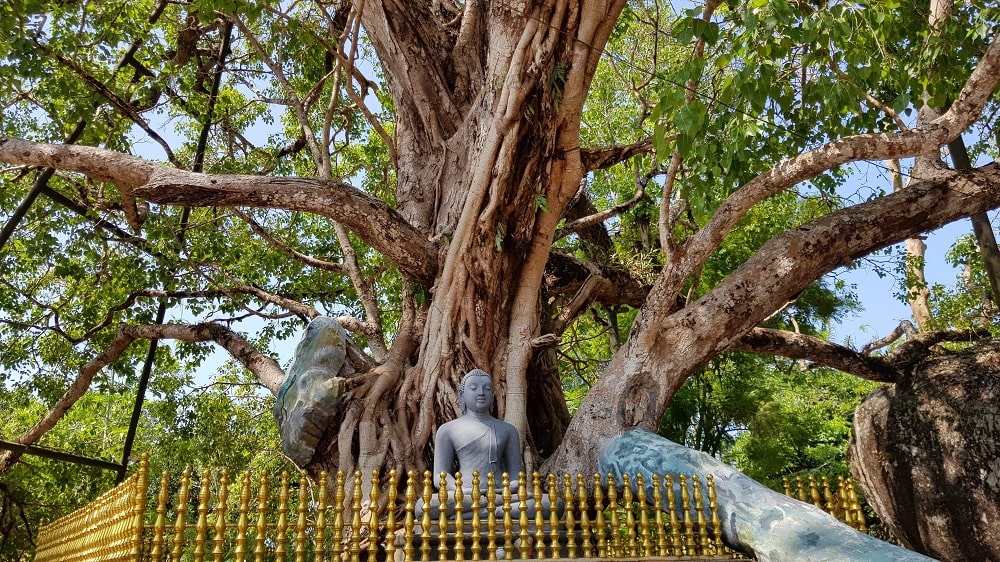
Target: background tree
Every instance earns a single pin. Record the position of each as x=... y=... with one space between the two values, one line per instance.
x=426 y=177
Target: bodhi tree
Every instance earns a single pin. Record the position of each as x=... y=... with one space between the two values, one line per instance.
x=423 y=171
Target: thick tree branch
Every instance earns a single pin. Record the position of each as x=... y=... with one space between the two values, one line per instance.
x=371 y=219
x=925 y=138
x=822 y=352
x=265 y=368
x=599 y=158
x=886 y=368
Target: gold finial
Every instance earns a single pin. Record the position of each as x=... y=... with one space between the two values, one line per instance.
x=319 y=538
x=536 y=494
x=859 y=515
x=616 y=535
x=300 y=520
x=508 y=522
x=676 y=542
x=602 y=542
x=262 y=499
x=814 y=493
x=242 y=520
x=491 y=517
x=843 y=500
x=522 y=522
x=425 y=521
x=443 y=517
x=661 y=535
x=713 y=506
x=828 y=497
x=161 y=517
x=585 y=535
x=628 y=500
x=699 y=505
x=689 y=545
x=139 y=505
x=282 y=529
x=408 y=522
x=339 y=495
x=553 y=518
x=459 y=519
x=221 y=509
x=569 y=500
x=476 y=522
x=800 y=491
x=181 y=523
x=788 y=488
x=373 y=502
x=390 y=517
x=201 y=527
x=644 y=536
x=356 y=518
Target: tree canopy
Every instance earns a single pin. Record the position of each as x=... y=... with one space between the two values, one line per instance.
x=594 y=197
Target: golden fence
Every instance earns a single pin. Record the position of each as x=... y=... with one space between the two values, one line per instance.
x=109 y=529
x=212 y=517
x=842 y=502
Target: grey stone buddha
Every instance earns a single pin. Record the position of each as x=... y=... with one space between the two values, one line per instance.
x=477 y=441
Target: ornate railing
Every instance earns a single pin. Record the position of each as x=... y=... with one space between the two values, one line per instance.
x=841 y=501
x=108 y=529
x=213 y=517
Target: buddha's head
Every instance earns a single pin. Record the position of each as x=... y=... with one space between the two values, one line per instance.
x=476 y=392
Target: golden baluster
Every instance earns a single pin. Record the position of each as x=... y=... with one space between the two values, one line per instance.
x=599 y=527
x=843 y=500
x=629 y=503
x=319 y=536
x=300 y=520
x=788 y=488
x=159 y=525
x=699 y=504
x=522 y=521
x=282 y=530
x=262 y=499
x=425 y=521
x=676 y=542
x=616 y=535
x=459 y=519
x=855 y=503
x=242 y=521
x=476 y=522
x=814 y=493
x=373 y=501
x=443 y=517
x=828 y=497
x=491 y=517
x=201 y=527
x=390 y=518
x=408 y=522
x=139 y=506
x=689 y=544
x=356 y=518
x=800 y=491
x=181 y=524
x=508 y=522
x=644 y=535
x=339 y=495
x=570 y=501
x=220 y=517
x=553 y=518
x=536 y=494
x=581 y=496
x=713 y=506
x=661 y=536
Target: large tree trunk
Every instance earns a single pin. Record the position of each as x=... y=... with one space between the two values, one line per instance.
x=925 y=451
x=487 y=144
